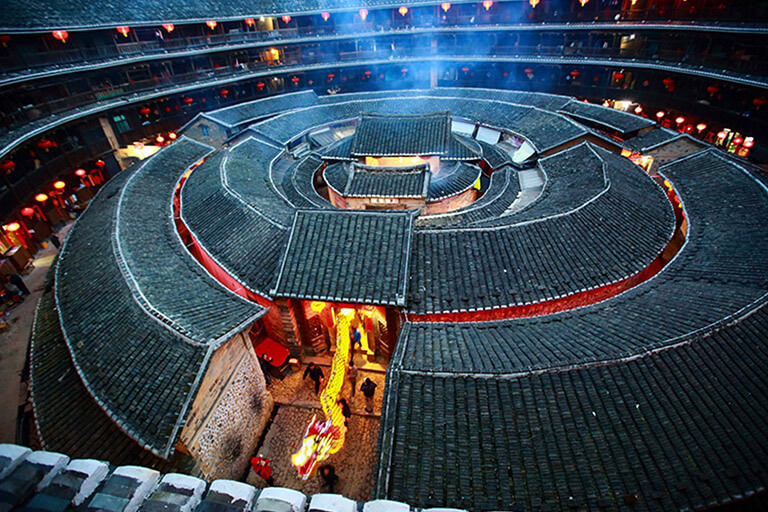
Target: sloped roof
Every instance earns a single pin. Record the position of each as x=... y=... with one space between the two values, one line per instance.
x=329 y=252
x=623 y=122
x=365 y=181
x=402 y=134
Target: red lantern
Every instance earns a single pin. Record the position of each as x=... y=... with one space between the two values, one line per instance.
x=61 y=35
x=211 y=24
x=367 y=73
x=250 y=22
x=325 y=16
x=169 y=27
x=80 y=172
x=100 y=164
x=41 y=198
x=760 y=102
x=27 y=212
x=749 y=142
x=583 y=2
x=5 y=39
x=403 y=10
x=669 y=84
x=638 y=110
x=224 y=93
x=188 y=101
x=445 y=6
x=44 y=144
x=363 y=14
x=172 y=136
x=575 y=73
x=123 y=30
x=8 y=166
x=660 y=114
x=487 y=4
x=738 y=140
x=13 y=226
x=260 y=85
x=701 y=127
x=680 y=120
x=144 y=111
x=618 y=75
x=713 y=89
x=465 y=69
x=528 y=71
x=722 y=135
x=295 y=80
x=59 y=185
x=331 y=76
x=286 y=19
x=533 y=3
x=404 y=71
x=160 y=139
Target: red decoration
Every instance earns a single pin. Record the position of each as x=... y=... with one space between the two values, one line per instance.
x=41 y=198
x=295 y=80
x=618 y=75
x=325 y=16
x=583 y=2
x=260 y=85
x=224 y=93
x=169 y=27
x=404 y=71
x=701 y=127
x=80 y=172
x=61 y=35
x=13 y=226
x=331 y=76
x=8 y=166
x=760 y=102
x=123 y=30
x=487 y=4
x=250 y=22
x=575 y=73
x=533 y=3
x=100 y=164
x=44 y=144
x=445 y=6
x=465 y=69
x=713 y=89
x=172 y=136
x=144 y=111
x=738 y=140
x=27 y=212
x=188 y=101
x=660 y=114
x=528 y=71
x=211 y=24
x=59 y=185
x=363 y=14
x=286 y=19
x=403 y=10
x=5 y=39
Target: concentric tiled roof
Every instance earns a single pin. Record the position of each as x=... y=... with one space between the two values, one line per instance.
x=402 y=134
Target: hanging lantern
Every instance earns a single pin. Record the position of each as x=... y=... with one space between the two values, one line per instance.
x=8 y=166
x=172 y=136
x=169 y=27
x=618 y=75
x=701 y=127
x=41 y=198
x=660 y=114
x=404 y=71
x=44 y=144
x=260 y=85
x=575 y=73
x=638 y=110
x=144 y=111
x=188 y=101
x=465 y=70
x=403 y=10
x=760 y=102
x=325 y=16
x=445 y=6
x=100 y=164
x=533 y=3
x=331 y=76
x=737 y=141
x=487 y=4
x=680 y=120
x=505 y=74
x=13 y=226
x=367 y=73
x=295 y=80
x=583 y=2
x=4 y=40
x=58 y=185
x=250 y=22
x=211 y=24
x=61 y=35
x=80 y=173
x=286 y=19
x=123 y=30
x=27 y=212
x=713 y=89
x=363 y=14
x=749 y=142
x=722 y=135
x=224 y=93
x=669 y=83
x=528 y=71
x=160 y=139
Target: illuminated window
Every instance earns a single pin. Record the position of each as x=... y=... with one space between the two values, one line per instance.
x=121 y=124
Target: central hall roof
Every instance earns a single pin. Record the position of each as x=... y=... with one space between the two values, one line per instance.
x=371 y=181
x=402 y=134
x=330 y=252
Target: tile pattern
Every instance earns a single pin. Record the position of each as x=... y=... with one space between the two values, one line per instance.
x=298 y=184
x=623 y=122
x=332 y=254
x=402 y=134
x=650 y=138
x=252 y=111
x=365 y=181
x=453 y=179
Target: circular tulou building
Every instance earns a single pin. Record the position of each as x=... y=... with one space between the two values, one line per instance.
x=563 y=301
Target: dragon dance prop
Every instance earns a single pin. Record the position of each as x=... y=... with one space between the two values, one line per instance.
x=325 y=437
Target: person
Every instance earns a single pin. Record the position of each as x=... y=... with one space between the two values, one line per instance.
x=18 y=282
x=329 y=476
x=264 y=364
x=55 y=241
x=356 y=338
x=261 y=467
x=345 y=411
x=352 y=376
x=316 y=374
x=368 y=388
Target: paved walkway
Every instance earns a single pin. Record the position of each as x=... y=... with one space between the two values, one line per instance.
x=14 y=343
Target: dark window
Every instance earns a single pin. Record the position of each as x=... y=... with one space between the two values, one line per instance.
x=121 y=123
x=205 y=130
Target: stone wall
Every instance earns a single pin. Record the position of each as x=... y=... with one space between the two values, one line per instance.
x=229 y=412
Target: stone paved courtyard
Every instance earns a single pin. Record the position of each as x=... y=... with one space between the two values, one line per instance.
x=296 y=403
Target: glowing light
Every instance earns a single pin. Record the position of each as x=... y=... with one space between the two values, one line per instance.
x=260 y=85
x=445 y=6
x=59 y=185
x=8 y=166
x=487 y=4
x=100 y=163
x=188 y=101
x=722 y=135
x=660 y=114
x=749 y=142
x=250 y=22
x=325 y=16
x=533 y=3
x=403 y=10
x=701 y=127
x=326 y=437
x=286 y=19
x=680 y=120
x=638 y=110
x=80 y=173
x=295 y=80
x=169 y=27
x=160 y=139
x=123 y=30
x=172 y=136
x=13 y=226
x=224 y=93
x=738 y=140
x=583 y=2
x=61 y=35
x=618 y=75
x=575 y=73
x=211 y=24
x=363 y=14
x=41 y=198
x=317 y=306
x=27 y=212
x=144 y=111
